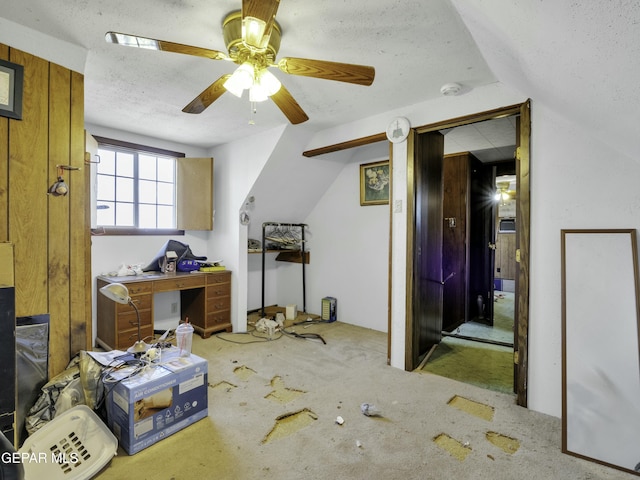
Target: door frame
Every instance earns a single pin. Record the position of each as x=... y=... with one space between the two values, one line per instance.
x=522 y=235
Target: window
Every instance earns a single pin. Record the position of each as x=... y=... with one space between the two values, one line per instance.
x=138 y=190
x=135 y=187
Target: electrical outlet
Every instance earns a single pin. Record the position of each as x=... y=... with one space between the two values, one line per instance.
x=174 y=307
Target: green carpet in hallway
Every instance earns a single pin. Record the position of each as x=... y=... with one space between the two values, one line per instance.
x=483 y=365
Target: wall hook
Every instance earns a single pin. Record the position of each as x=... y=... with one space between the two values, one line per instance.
x=60 y=187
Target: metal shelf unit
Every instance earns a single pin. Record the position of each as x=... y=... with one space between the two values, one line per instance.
x=269 y=228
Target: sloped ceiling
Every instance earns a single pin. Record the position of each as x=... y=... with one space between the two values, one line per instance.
x=579 y=58
x=415 y=47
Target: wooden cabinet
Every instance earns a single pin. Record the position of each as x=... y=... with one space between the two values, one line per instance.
x=205 y=298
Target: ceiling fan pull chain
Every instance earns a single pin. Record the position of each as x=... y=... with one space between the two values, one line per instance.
x=253 y=111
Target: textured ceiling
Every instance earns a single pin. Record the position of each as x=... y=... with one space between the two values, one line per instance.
x=579 y=58
x=415 y=47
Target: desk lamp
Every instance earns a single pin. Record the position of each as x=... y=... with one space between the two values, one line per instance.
x=120 y=294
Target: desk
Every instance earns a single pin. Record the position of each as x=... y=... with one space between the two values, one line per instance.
x=204 y=297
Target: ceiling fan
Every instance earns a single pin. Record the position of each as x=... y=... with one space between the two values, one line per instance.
x=252 y=37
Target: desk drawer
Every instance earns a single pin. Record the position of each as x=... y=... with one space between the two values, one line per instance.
x=129 y=337
x=218 y=318
x=216 y=304
x=129 y=320
x=142 y=302
x=218 y=277
x=178 y=283
x=218 y=290
x=136 y=288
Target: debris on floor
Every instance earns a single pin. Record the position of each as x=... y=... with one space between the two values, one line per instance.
x=370 y=410
x=281 y=393
x=243 y=372
x=472 y=407
x=507 y=444
x=453 y=446
x=290 y=423
x=339 y=420
x=223 y=385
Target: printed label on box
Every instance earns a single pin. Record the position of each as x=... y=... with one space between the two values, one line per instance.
x=144 y=409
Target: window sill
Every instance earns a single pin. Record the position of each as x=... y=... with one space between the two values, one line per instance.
x=102 y=231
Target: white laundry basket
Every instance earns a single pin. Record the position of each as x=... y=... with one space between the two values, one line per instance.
x=75 y=445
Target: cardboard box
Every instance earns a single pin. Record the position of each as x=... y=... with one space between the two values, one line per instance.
x=291 y=311
x=169 y=262
x=158 y=402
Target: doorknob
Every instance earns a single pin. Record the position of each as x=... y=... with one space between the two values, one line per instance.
x=492 y=246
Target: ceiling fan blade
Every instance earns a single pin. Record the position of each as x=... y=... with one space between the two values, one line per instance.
x=340 y=72
x=208 y=96
x=153 y=44
x=288 y=105
x=263 y=10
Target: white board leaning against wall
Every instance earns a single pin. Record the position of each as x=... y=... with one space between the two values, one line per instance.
x=601 y=355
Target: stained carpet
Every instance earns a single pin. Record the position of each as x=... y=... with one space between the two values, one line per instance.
x=480 y=364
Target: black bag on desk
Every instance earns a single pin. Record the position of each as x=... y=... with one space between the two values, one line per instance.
x=182 y=250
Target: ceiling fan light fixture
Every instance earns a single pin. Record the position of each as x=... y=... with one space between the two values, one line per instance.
x=242 y=79
x=269 y=82
x=257 y=93
x=253 y=33
x=265 y=85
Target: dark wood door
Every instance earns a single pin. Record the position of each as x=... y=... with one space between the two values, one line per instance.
x=481 y=242
x=455 y=182
x=427 y=261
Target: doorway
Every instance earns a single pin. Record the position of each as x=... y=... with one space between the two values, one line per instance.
x=429 y=276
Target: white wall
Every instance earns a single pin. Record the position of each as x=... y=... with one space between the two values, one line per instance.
x=349 y=249
x=285 y=188
x=237 y=165
x=577 y=182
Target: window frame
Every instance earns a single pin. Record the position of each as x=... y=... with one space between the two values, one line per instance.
x=106 y=230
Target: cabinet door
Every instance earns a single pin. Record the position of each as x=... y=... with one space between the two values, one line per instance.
x=195 y=193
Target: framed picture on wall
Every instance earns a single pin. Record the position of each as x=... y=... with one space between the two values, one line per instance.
x=11 y=75
x=374 y=183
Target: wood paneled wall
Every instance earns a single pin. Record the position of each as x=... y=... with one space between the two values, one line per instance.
x=50 y=234
x=505 y=264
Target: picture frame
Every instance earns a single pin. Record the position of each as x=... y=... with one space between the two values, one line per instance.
x=375 y=182
x=11 y=85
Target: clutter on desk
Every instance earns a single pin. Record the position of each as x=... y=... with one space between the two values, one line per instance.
x=126 y=270
x=212 y=266
x=181 y=250
x=184 y=338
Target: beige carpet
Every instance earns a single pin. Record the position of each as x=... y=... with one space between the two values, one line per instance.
x=273 y=408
